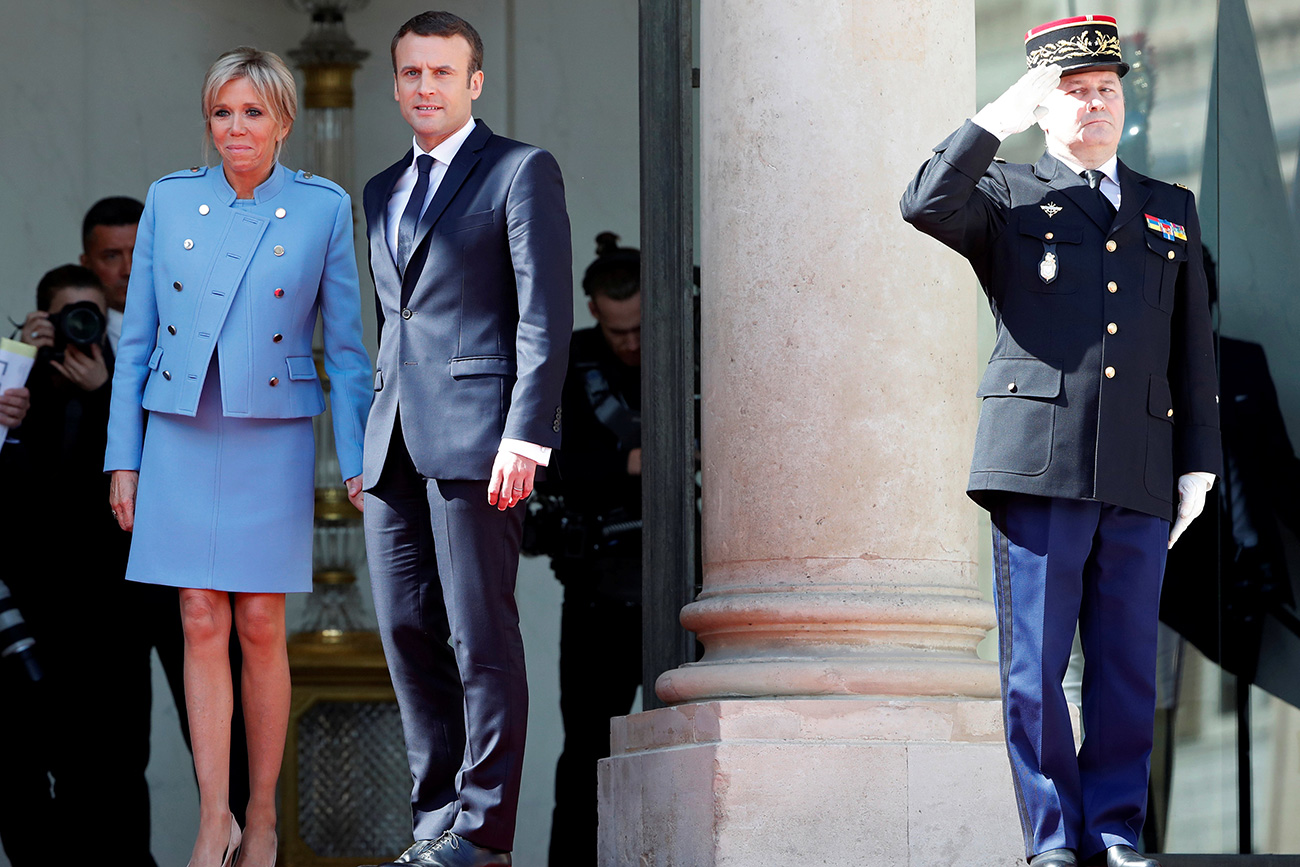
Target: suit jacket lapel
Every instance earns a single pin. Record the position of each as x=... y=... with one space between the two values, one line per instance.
x=381 y=254
x=1058 y=175
x=1133 y=194
x=461 y=165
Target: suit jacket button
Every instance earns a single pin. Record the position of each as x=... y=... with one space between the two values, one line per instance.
x=171 y=329
x=1171 y=254
x=1049 y=236
x=277 y=338
x=1169 y=414
x=1011 y=387
x=1110 y=246
x=556 y=427
x=167 y=375
x=1112 y=328
x=177 y=285
x=406 y=313
x=279 y=293
x=273 y=381
x=1112 y=287
x=1110 y=373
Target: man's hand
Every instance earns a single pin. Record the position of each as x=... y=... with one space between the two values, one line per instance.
x=512 y=480
x=37 y=329
x=121 y=497
x=355 y=495
x=87 y=372
x=1017 y=109
x=14 y=403
x=1192 y=488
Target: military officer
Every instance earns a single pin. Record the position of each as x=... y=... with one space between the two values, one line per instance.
x=1098 y=404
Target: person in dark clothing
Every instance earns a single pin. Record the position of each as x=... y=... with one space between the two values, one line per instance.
x=599 y=557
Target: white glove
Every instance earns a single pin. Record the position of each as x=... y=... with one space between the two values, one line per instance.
x=1192 y=488
x=1017 y=109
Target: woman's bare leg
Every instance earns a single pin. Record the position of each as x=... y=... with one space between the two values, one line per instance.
x=259 y=622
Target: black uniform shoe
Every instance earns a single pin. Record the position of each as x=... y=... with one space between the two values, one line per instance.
x=1055 y=858
x=450 y=850
x=1126 y=856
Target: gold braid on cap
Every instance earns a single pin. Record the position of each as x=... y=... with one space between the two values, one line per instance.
x=1069 y=49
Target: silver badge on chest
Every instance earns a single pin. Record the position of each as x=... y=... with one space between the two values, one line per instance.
x=1048 y=267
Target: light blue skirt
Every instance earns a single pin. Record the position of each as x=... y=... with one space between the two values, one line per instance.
x=225 y=503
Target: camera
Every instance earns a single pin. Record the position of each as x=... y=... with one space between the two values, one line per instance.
x=81 y=325
x=16 y=641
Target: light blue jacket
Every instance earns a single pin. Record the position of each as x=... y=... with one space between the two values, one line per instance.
x=247 y=281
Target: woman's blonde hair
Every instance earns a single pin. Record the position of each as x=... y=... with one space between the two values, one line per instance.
x=270 y=78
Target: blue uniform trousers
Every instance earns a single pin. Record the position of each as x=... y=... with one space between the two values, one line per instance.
x=1058 y=562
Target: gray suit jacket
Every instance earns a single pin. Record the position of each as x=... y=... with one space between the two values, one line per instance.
x=474 y=336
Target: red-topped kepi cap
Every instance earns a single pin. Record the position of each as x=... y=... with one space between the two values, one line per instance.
x=1076 y=43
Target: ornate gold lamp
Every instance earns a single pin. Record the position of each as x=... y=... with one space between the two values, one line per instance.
x=345 y=781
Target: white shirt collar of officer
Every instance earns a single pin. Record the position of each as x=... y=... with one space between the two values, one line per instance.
x=1109 y=184
x=265 y=190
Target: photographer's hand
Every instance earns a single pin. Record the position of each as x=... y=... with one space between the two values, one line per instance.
x=37 y=329
x=14 y=403
x=121 y=497
x=87 y=372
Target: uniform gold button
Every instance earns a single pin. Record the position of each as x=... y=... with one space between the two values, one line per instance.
x=1110 y=373
x=1011 y=387
x=1169 y=414
x=171 y=329
x=1110 y=246
x=1171 y=254
x=277 y=338
x=1112 y=287
x=406 y=313
x=279 y=213
x=167 y=375
x=1049 y=236
x=279 y=251
x=177 y=285
x=189 y=244
x=1112 y=328
x=279 y=293
x=273 y=381
x=203 y=210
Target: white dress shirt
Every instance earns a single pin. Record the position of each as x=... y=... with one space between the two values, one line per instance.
x=1109 y=184
x=443 y=154
x=113 y=328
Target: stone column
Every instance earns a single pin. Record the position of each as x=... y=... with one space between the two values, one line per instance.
x=839 y=713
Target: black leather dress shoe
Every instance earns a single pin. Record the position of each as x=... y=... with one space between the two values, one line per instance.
x=1126 y=856
x=449 y=850
x=1055 y=858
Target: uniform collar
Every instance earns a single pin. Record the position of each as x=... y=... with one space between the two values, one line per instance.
x=268 y=189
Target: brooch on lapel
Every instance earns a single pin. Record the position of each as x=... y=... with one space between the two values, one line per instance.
x=1051 y=209
x=1168 y=230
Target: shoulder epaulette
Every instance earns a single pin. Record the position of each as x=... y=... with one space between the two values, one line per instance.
x=1183 y=187
x=317 y=181
x=191 y=172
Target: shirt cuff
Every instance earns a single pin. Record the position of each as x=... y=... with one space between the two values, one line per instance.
x=532 y=451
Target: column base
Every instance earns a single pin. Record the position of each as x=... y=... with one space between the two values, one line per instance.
x=747 y=783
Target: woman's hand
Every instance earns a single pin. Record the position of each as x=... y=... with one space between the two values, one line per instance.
x=121 y=497
x=355 y=495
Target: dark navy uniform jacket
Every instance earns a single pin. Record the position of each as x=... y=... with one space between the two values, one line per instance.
x=1101 y=385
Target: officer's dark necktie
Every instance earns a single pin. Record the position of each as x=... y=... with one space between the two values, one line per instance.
x=411 y=216
x=1094 y=177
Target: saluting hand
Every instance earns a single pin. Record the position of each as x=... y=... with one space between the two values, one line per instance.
x=1019 y=107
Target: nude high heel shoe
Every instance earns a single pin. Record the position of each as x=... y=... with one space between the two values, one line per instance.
x=231 y=847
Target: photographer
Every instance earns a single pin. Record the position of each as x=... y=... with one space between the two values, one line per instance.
x=591 y=528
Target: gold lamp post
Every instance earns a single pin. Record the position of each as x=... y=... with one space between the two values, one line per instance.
x=345 y=781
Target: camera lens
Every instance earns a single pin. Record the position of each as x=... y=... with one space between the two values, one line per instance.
x=82 y=325
x=16 y=639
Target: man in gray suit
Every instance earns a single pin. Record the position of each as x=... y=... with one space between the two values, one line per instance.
x=470 y=254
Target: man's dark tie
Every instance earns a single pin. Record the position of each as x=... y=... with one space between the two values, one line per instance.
x=411 y=216
x=1094 y=182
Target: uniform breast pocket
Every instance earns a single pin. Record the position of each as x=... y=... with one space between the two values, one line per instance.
x=1163 y=261
x=1047 y=250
